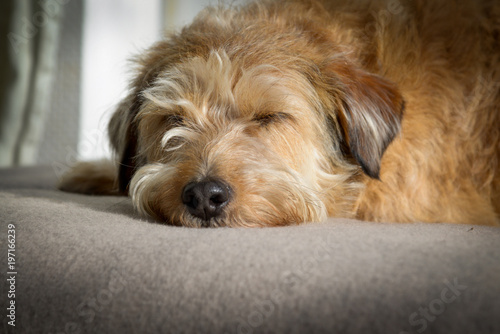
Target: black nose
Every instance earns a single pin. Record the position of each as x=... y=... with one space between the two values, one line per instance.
x=205 y=199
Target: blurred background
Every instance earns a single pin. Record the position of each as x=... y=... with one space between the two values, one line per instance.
x=64 y=67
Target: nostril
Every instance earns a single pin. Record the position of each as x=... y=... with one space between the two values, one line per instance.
x=218 y=199
x=216 y=193
x=189 y=197
x=205 y=199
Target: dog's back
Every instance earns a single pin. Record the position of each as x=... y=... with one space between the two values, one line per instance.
x=444 y=56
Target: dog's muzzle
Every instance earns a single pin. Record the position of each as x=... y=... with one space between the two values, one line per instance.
x=206 y=199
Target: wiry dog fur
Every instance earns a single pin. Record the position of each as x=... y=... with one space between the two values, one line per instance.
x=299 y=110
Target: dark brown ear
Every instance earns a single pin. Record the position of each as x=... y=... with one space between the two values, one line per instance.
x=370 y=113
x=123 y=136
x=128 y=163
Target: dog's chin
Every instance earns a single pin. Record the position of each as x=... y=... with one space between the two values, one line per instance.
x=156 y=191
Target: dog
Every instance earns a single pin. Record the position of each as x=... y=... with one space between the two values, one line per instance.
x=283 y=112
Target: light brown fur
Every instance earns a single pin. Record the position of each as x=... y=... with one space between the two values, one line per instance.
x=377 y=110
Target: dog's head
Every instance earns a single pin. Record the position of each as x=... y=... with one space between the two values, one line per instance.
x=262 y=124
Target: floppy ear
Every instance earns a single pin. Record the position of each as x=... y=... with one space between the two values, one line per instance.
x=370 y=113
x=123 y=136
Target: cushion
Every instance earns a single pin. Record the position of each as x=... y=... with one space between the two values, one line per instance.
x=90 y=264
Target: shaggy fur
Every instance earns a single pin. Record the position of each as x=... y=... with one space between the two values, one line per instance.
x=294 y=110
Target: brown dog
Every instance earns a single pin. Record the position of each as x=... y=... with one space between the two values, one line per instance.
x=283 y=112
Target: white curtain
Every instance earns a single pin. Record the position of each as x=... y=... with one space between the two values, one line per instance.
x=31 y=51
x=32 y=71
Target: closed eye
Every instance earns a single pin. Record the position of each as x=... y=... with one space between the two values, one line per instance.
x=269 y=118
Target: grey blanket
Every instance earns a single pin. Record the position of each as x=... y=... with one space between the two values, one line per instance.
x=91 y=265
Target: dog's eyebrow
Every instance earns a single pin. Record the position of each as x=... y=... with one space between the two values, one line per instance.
x=175 y=118
x=267 y=118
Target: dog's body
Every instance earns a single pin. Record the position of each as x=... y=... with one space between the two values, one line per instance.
x=284 y=112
